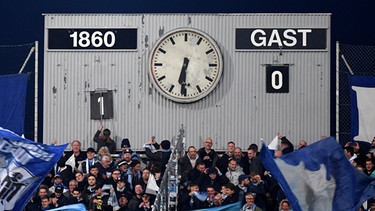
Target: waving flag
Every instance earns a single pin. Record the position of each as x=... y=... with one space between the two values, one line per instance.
x=234 y=206
x=320 y=177
x=23 y=166
x=362 y=97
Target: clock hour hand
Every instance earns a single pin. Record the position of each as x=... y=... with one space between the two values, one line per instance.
x=182 y=78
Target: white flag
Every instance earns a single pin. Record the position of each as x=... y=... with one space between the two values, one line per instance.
x=274 y=145
x=152 y=187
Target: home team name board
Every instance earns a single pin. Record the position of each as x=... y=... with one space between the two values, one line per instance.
x=281 y=38
x=92 y=39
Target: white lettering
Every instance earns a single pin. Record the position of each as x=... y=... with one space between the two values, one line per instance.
x=304 y=35
x=289 y=37
x=275 y=38
x=262 y=39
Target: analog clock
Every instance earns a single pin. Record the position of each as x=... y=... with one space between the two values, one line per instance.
x=185 y=65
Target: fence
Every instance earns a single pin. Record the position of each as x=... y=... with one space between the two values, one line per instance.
x=17 y=59
x=350 y=60
x=166 y=199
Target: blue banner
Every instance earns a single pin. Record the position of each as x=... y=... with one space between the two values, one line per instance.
x=235 y=206
x=12 y=104
x=23 y=166
x=320 y=177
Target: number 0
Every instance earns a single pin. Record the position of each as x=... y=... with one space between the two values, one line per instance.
x=277 y=80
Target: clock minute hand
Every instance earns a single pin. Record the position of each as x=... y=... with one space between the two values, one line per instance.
x=182 y=78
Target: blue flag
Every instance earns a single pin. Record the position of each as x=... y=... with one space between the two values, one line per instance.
x=319 y=177
x=234 y=206
x=71 y=207
x=23 y=166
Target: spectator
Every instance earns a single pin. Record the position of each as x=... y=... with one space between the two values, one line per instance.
x=349 y=152
x=72 y=185
x=35 y=202
x=285 y=205
x=100 y=200
x=161 y=155
x=77 y=194
x=285 y=147
x=257 y=187
x=105 y=168
x=218 y=199
x=234 y=171
x=242 y=187
x=90 y=160
x=81 y=180
x=231 y=194
x=187 y=163
x=104 y=140
x=137 y=197
x=76 y=156
x=126 y=157
x=188 y=200
x=134 y=174
x=123 y=201
x=241 y=160
x=208 y=155
x=94 y=170
x=214 y=178
x=57 y=181
x=209 y=202
x=115 y=176
x=254 y=163
x=103 y=151
x=125 y=144
x=58 y=199
x=302 y=144
x=45 y=204
x=121 y=187
x=65 y=172
x=226 y=157
x=145 y=204
x=89 y=190
x=198 y=174
x=369 y=167
x=249 y=198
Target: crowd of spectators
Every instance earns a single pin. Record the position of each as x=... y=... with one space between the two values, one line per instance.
x=207 y=180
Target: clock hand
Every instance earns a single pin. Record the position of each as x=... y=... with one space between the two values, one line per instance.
x=182 y=78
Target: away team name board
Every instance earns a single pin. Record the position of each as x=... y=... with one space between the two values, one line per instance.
x=281 y=38
x=91 y=39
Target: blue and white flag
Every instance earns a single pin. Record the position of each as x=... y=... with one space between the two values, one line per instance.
x=234 y=206
x=23 y=166
x=71 y=207
x=319 y=177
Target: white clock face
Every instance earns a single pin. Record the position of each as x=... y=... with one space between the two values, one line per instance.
x=185 y=65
